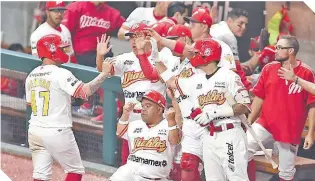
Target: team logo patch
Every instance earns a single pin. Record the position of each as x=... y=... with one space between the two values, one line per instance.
x=154 y=143
x=186 y=73
x=131 y=77
x=229 y=58
x=208 y=52
x=212 y=97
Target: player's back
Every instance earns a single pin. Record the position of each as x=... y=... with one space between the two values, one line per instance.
x=51 y=105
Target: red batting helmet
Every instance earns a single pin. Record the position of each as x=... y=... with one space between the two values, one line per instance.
x=155 y=97
x=52 y=47
x=177 y=31
x=206 y=51
x=201 y=15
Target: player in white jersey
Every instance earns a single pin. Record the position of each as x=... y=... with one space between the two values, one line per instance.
x=148 y=16
x=54 y=11
x=152 y=139
x=127 y=66
x=224 y=144
x=48 y=92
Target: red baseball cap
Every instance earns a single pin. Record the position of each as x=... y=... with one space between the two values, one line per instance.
x=136 y=28
x=155 y=97
x=201 y=15
x=50 y=5
x=177 y=31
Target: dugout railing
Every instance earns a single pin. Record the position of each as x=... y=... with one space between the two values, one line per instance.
x=18 y=65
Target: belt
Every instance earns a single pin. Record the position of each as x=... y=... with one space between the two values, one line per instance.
x=151 y=178
x=221 y=128
x=137 y=110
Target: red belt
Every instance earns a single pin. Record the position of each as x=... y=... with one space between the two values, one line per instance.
x=151 y=178
x=137 y=110
x=213 y=128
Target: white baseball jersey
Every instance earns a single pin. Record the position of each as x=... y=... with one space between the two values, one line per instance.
x=150 y=150
x=222 y=32
x=133 y=81
x=46 y=29
x=141 y=15
x=210 y=93
x=49 y=89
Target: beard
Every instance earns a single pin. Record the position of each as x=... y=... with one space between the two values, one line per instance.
x=282 y=59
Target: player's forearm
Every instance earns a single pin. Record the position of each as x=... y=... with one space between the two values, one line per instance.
x=178 y=113
x=252 y=62
x=306 y=85
x=176 y=46
x=148 y=70
x=173 y=135
x=255 y=107
x=121 y=33
x=122 y=124
x=311 y=119
x=91 y=87
x=99 y=62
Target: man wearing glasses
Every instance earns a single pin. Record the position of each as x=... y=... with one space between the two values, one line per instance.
x=280 y=107
x=54 y=11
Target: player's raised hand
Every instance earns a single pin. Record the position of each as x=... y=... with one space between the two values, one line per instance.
x=152 y=33
x=128 y=108
x=102 y=45
x=214 y=13
x=287 y=74
x=107 y=67
x=170 y=115
x=309 y=141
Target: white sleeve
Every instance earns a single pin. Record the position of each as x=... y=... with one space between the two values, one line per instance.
x=68 y=82
x=27 y=93
x=133 y=17
x=185 y=86
x=168 y=59
x=33 y=41
x=236 y=87
x=227 y=58
x=119 y=65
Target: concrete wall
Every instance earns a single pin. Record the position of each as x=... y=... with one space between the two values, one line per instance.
x=16 y=21
x=304 y=27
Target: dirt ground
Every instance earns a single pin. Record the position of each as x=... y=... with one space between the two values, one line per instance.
x=20 y=169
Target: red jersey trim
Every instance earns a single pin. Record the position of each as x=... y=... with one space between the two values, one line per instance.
x=123 y=131
x=178 y=88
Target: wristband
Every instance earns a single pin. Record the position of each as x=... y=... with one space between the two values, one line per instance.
x=166 y=75
x=179 y=47
x=123 y=122
x=173 y=128
x=296 y=80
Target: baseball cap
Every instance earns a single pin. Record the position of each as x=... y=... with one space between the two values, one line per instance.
x=155 y=97
x=201 y=15
x=136 y=28
x=178 y=31
x=50 y=5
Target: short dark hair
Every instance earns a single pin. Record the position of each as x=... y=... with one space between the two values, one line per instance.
x=16 y=47
x=292 y=41
x=237 y=12
x=175 y=7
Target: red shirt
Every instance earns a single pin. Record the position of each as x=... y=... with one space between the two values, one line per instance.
x=285 y=107
x=86 y=21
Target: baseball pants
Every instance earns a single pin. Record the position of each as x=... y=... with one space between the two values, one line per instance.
x=287 y=152
x=128 y=172
x=47 y=144
x=225 y=155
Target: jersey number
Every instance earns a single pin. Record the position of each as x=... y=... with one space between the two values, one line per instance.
x=45 y=95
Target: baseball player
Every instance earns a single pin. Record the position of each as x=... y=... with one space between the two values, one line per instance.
x=148 y=16
x=54 y=11
x=224 y=141
x=127 y=67
x=283 y=123
x=227 y=31
x=48 y=92
x=151 y=138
